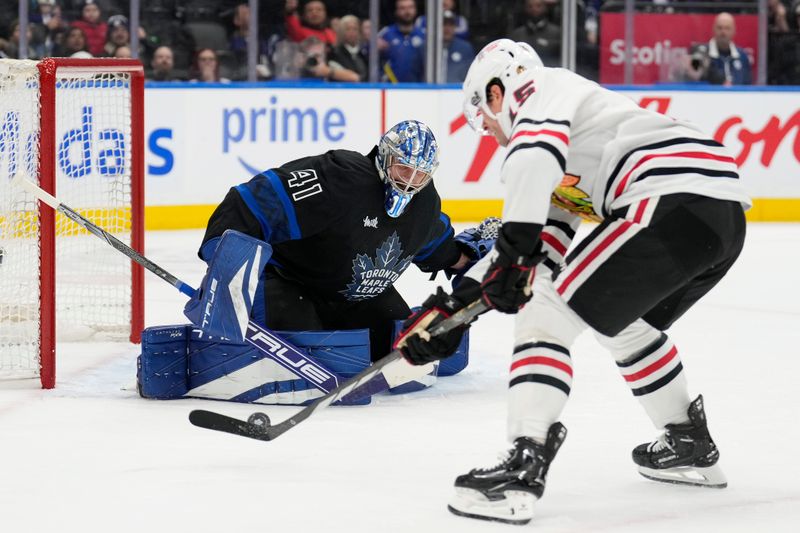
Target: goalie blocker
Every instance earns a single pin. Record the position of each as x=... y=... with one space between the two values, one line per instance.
x=182 y=362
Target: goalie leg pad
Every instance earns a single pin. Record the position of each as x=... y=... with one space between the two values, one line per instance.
x=221 y=307
x=190 y=365
x=241 y=373
x=162 y=367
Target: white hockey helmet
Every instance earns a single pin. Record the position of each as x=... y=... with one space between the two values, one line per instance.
x=501 y=60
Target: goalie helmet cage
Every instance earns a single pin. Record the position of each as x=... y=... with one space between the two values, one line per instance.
x=75 y=127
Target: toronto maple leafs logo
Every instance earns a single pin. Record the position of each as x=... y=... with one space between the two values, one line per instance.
x=372 y=277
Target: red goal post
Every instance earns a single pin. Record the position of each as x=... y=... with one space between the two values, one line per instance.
x=83 y=120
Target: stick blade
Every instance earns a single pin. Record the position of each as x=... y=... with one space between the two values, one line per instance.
x=33 y=189
x=227 y=424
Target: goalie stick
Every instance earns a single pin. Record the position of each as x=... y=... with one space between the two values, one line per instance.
x=261 y=338
x=258 y=425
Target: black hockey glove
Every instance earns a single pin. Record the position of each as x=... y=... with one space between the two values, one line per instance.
x=507 y=284
x=417 y=345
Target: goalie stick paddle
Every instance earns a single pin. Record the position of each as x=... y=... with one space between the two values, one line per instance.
x=261 y=338
x=258 y=426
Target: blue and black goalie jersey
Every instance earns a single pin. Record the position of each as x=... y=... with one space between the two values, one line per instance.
x=324 y=217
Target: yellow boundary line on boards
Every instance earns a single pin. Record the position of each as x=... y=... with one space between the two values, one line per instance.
x=196 y=216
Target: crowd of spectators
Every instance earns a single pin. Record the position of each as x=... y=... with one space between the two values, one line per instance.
x=206 y=40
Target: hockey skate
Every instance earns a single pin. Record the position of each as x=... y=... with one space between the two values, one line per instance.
x=508 y=491
x=684 y=454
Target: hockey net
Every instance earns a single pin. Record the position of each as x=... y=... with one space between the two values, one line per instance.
x=74 y=127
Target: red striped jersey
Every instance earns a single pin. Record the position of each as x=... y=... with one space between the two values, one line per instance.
x=588 y=150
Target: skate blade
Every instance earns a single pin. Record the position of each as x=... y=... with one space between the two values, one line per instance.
x=711 y=476
x=516 y=508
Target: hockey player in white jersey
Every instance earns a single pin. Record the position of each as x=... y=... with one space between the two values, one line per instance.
x=671 y=213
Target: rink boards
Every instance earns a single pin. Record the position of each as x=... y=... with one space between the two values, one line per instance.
x=201 y=140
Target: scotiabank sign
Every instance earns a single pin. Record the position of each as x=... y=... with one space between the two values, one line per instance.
x=661 y=42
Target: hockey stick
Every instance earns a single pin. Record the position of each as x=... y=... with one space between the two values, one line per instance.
x=258 y=425
x=261 y=338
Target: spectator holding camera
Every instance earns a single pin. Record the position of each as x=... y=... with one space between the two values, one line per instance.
x=315 y=64
x=720 y=62
x=313 y=24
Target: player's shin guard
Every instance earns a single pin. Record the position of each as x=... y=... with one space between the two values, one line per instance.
x=508 y=491
x=650 y=365
x=540 y=382
x=541 y=367
x=684 y=454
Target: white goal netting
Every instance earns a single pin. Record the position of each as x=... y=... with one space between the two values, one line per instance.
x=92 y=155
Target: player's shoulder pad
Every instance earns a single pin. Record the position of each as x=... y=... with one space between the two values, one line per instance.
x=340 y=168
x=306 y=177
x=349 y=160
x=537 y=83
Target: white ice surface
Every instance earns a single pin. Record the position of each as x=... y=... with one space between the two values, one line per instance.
x=91 y=456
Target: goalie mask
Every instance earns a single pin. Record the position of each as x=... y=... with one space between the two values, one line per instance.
x=407 y=158
x=501 y=60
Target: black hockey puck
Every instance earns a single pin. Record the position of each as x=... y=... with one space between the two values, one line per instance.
x=259 y=419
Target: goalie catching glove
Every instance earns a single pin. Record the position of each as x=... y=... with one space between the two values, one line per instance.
x=507 y=284
x=475 y=243
x=417 y=345
x=478 y=241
